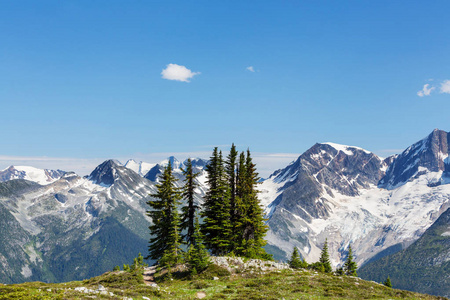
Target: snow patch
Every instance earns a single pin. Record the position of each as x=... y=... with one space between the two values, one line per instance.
x=346 y=149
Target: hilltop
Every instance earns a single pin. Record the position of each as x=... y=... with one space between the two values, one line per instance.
x=227 y=278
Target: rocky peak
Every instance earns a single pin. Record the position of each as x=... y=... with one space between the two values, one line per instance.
x=105 y=173
x=428 y=155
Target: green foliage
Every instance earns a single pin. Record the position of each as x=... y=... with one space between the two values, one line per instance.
x=216 y=226
x=188 y=211
x=325 y=259
x=197 y=256
x=249 y=223
x=295 y=262
x=350 y=266
x=138 y=263
x=166 y=239
x=387 y=282
x=116 y=268
x=126 y=268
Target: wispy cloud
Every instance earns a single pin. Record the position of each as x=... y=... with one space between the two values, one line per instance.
x=251 y=69
x=445 y=87
x=426 y=90
x=178 y=73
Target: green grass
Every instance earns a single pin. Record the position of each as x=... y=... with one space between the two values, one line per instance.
x=287 y=284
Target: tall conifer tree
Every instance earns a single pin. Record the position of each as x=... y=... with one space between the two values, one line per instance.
x=230 y=168
x=249 y=220
x=216 y=226
x=325 y=258
x=188 y=216
x=165 y=229
x=350 y=266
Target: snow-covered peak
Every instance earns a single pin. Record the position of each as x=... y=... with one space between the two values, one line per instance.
x=427 y=155
x=176 y=164
x=344 y=148
x=41 y=176
x=141 y=167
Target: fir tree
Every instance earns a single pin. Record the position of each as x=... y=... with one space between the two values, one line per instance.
x=325 y=258
x=295 y=262
x=198 y=257
x=188 y=211
x=350 y=266
x=230 y=168
x=216 y=226
x=250 y=222
x=165 y=229
x=388 y=282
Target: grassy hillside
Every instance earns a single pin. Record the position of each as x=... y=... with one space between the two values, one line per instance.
x=214 y=283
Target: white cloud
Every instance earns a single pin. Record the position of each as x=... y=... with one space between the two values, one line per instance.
x=177 y=72
x=426 y=90
x=251 y=69
x=445 y=87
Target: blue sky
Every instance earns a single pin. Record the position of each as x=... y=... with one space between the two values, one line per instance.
x=81 y=80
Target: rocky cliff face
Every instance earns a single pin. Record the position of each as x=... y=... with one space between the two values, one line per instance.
x=427 y=155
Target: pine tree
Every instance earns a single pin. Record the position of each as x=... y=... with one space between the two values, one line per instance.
x=198 y=257
x=188 y=211
x=230 y=168
x=295 y=262
x=388 y=282
x=216 y=226
x=250 y=222
x=350 y=266
x=165 y=229
x=325 y=258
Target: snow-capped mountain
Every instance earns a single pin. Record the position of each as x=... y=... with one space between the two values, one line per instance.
x=428 y=155
x=41 y=176
x=75 y=227
x=141 y=167
x=337 y=192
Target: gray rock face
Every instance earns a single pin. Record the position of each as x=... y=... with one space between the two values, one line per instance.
x=320 y=170
x=431 y=153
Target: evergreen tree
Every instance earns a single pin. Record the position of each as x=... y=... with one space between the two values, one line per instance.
x=350 y=266
x=325 y=258
x=295 y=262
x=198 y=257
x=188 y=211
x=230 y=168
x=165 y=229
x=216 y=226
x=250 y=222
x=388 y=282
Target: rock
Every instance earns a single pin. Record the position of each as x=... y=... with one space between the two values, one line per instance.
x=200 y=295
x=216 y=278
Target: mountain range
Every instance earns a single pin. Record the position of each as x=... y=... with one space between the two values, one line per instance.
x=58 y=226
